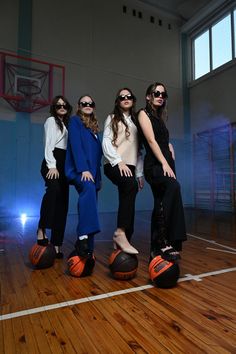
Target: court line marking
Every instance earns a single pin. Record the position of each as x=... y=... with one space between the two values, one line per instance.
x=187 y=277
x=218 y=250
x=212 y=241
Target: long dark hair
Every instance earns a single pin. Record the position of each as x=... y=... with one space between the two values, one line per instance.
x=117 y=115
x=160 y=112
x=53 y=111
x=90 y=121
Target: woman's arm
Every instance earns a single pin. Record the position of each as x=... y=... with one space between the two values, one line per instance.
x=50 y=132
x=172 y=151
x=50 y=141
x=108 y=148
x=75 y=137
x=146 y=127
x=139 y=170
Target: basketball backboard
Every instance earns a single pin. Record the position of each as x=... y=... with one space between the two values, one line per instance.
x=29 y=84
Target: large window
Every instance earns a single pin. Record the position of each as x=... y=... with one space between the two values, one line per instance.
x=214 y=47
x=221 y=42
x=202 y=55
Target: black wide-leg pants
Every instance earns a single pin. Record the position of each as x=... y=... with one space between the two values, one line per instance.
x=54 y=206
x=167 y=195
x=127 y=190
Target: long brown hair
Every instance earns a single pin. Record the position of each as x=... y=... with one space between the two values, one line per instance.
x=89 y=121
x=161 y=112
x=117 y=116
x=53 y=111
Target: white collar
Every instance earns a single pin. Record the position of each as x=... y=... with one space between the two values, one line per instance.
x=126 y=117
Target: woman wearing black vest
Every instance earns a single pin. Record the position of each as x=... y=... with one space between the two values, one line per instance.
x=167 y=222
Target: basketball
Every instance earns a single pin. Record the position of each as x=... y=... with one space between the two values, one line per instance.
x=80 y=267
x=123 y=265
x=42 y=256
x=164 y=274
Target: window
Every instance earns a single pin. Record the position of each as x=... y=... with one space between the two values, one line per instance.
x=214 y=47
x=221 y=42
x=201 y=55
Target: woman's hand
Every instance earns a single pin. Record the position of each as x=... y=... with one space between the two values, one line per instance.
x=87 y=176
x=140 y=183
x=52 y=173
x=167 y=170
x=124 y=169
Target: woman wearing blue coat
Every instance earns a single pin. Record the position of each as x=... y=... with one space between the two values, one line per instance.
x=82 y=168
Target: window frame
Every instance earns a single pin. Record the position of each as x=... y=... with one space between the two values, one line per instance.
x=208 y=26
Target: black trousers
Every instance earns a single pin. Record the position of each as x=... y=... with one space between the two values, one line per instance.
x=127 y=190
x=54 y=206
x=167 y=195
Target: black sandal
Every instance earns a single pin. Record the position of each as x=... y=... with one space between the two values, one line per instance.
x=168 y=253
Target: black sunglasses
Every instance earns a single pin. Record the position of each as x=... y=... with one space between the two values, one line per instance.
x=126 y=97
x=158 y=94
x=59 y=106
x=87 y=104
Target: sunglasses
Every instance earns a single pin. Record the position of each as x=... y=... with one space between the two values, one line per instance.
x=87 y=104
x=160 y=94
x=59 y=106
x=126 y=97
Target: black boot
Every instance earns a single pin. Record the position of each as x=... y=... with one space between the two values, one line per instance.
x=82 y=247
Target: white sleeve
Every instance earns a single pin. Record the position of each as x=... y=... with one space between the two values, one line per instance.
x=50 y=141
x=109 y=150
x=139 y=165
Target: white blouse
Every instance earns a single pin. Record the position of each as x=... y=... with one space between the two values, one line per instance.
x=53 y=138
x=127 y=147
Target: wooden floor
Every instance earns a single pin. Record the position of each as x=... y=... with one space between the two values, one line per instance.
x=48 y=311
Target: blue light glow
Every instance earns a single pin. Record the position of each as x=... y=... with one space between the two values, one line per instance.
x=23 y=218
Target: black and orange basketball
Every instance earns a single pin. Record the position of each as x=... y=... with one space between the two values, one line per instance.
x=42 y=256
x=80 y=267
x=123 y=265
x=164 y=274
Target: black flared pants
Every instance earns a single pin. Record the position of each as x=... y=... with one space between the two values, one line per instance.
x=127 y=190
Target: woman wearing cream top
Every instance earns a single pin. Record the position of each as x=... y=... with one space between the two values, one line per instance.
x=123 y=165
x=54 y=204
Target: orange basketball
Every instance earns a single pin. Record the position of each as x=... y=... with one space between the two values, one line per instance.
x=164 y=274
x=80 y=267
x=123 y=265
x=42 y=256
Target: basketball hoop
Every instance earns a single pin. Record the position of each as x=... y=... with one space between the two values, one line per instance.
x=29 y=84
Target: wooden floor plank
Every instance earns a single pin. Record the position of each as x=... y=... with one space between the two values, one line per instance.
x=79 y=338
x=9 y=342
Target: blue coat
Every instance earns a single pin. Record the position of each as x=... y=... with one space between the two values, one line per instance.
x=84 y=152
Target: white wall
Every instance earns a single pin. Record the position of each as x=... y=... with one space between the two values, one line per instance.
x=9 y=24
x=104 y=49
x=213 y=100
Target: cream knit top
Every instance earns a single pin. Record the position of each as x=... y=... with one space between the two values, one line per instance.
x=126 y=148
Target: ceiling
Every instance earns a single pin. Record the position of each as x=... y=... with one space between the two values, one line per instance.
x=183 y=9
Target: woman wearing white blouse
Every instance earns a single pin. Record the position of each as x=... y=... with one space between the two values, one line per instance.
x=123 y=164
x=54 y=204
